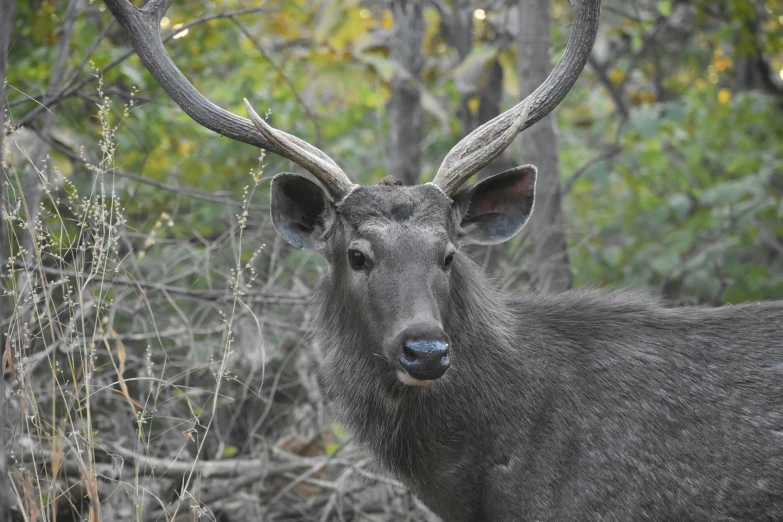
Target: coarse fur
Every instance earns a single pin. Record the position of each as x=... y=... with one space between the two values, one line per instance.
x=588 y=405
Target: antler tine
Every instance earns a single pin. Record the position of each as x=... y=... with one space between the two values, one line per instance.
x=486 y=143
x=306 y=155
x=142 y=31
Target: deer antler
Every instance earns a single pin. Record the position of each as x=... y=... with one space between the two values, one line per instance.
x=487 y=142
x=142 y=30
x=304 y=154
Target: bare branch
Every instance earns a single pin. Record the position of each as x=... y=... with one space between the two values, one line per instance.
x=177 y=468
x=312 y=117
x=34 y=174
x=70 y=90
x=255 y=296
x=222 y=197
x=605 y=155
x=615 y=91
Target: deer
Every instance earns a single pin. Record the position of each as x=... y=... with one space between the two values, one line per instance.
x=492 y=406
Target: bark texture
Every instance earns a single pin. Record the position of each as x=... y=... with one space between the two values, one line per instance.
x=550 y=268
x=405 y=111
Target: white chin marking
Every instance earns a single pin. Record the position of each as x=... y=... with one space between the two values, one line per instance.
x=410 y=381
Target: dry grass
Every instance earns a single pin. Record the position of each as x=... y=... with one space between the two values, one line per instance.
x=154 y=377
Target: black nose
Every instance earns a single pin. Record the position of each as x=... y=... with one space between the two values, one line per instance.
x=425 y=360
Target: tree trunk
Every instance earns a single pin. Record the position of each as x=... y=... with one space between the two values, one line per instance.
x=7 y=19
x=550 y=269
x=753 y=70
x=456 y=27
x=405 y=111
x=488 y=257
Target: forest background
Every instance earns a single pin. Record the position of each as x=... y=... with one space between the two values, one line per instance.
x=155 y=358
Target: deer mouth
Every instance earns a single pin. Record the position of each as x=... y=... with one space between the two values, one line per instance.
x=407 y=380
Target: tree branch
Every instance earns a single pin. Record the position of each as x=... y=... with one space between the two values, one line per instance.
x=404 y=107
x=182 y=190
x=309 y=113
x=141 y=28
x=248 y=296
x=177 y=468
x=608 y=153
x=69 y=91
x=615 y=91
x=35 y=173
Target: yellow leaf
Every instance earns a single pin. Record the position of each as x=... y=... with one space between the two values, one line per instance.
x=723 y=63
x=617 y=76
x=340 y=432
x=229 y=451
x=641 y=96
x=7 y=361
x=121 y=370
x=332 y=16
x=473 y=104
x=62 y=163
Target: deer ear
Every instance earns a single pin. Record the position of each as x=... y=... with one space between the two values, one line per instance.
x=301 y=211
x=495 y=209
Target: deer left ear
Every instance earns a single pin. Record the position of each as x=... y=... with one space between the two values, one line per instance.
x=301 y=211
x=495 y=209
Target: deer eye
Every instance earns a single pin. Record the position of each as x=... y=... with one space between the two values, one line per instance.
x=357 y=259
x=448 y=260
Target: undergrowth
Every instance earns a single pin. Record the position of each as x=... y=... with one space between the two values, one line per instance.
x=152 y=376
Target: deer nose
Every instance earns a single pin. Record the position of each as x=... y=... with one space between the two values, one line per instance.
x=425 y=360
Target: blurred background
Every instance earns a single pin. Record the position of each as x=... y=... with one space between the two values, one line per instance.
x=156 y=364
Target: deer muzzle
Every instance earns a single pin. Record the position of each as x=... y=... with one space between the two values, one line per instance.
x=423 y=354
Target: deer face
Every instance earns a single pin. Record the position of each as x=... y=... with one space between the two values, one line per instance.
x=389 y=248
x=391 y=252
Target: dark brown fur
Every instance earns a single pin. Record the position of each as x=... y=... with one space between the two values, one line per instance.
x=589 y=405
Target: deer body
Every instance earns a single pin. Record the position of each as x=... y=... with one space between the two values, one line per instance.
x=583 y=406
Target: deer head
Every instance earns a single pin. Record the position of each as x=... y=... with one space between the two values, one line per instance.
x=392 y=250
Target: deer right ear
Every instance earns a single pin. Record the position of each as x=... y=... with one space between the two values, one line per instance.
x=496 y=208
x=301 y=211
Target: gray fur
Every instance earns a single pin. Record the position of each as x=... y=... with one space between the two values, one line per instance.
x=588 y=405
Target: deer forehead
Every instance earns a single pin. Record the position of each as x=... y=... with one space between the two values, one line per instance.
x=373 y=209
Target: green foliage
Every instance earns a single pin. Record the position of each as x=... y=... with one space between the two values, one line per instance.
x=159 y=260
x=687 y=207
x=692 y=207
